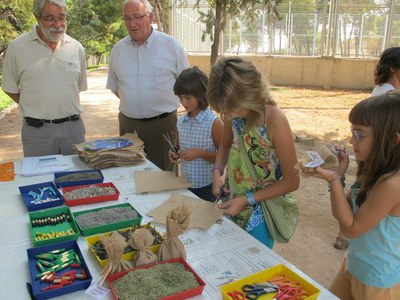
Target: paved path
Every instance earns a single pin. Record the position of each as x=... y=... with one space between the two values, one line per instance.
x=100 y=117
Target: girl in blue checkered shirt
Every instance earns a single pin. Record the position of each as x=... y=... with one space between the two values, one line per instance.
x=199 y=132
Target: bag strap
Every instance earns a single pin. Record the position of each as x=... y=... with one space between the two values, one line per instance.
x=250 y=166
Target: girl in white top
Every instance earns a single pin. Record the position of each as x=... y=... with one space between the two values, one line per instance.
x=387 y=72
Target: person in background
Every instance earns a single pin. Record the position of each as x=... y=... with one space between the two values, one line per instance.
x=372 y=223
x=256 y=128
x=199 y=132
x=44 y=70
x=142 y=71
x=387 y=71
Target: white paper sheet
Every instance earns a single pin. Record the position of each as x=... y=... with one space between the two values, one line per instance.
x=39 y=165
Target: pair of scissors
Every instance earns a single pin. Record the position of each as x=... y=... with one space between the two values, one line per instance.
x=222 y=193
x=254 y=291
x=287 y=289
x=290 y=292
x=281 y=279
x=171 y=145
x=236 y=295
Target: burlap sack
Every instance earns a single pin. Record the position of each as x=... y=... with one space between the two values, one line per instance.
x=141 y=240
x=114 y=245
x=177 y=222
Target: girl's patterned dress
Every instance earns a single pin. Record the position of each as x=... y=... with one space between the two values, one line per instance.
x=262 y=154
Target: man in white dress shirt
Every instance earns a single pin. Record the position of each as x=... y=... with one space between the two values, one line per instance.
x=142 y=71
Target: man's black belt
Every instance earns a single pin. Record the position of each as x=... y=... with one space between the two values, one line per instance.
x=39 y=122
x=157 y=117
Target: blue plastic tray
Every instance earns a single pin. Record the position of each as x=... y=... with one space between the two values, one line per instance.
x=37 y=285
x=78 y=182
x=24 y=190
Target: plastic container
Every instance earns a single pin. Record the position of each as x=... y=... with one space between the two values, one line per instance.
x=263 y=276
x=36 y=284
x=178 y=296
x=90 y=200
x=108 y=227
x=77 y=182
x=57 y=227
x=30 y=192
x=128 y=255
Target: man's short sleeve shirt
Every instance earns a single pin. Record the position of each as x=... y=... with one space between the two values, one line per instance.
x=48 y=81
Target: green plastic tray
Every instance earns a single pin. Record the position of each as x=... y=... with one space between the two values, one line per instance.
x=108 y=227
x=56 y=228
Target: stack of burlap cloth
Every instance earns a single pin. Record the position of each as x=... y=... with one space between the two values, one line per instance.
x=105 y=158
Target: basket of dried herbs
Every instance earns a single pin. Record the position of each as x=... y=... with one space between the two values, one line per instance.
x=171 y=279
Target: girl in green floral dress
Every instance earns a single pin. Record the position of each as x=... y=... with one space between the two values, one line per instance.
x=255 y=130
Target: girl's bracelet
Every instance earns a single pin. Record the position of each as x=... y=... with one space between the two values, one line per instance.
x=220 y=169
x=333 y=180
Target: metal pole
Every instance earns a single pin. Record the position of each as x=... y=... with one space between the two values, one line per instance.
x=323 y=32
x=389 y=24
x=335 y=27
x=360 y=48
x=315 y=29
x=290 y=29
x=263 y=32
x=230 y=35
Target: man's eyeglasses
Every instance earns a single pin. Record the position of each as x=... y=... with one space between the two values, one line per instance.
x=358 y=135
x=52 y=20
x=134 y=18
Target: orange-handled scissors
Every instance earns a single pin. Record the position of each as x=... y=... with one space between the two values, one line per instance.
x=236 y=295
x=287 y=292
x=281 y=279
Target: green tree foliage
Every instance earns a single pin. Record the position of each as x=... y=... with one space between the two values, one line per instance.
x=160 y=10
x=16 y=17
x=221 y=11
x=97 y=24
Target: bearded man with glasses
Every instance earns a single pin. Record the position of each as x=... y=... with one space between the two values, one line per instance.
x=44 y=71
x=143 y=68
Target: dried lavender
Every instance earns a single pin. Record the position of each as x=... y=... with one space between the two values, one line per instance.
x=105 y=216
x=78 y=177
x=155 y=282
x=89 y=192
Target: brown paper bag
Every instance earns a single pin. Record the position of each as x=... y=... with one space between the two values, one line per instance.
x=177 y=222
x=141 y=240
x=114 y=244
x=330 y=161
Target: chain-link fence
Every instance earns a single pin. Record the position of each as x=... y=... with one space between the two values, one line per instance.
x=339 y=28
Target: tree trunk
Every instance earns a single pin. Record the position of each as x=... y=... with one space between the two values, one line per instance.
x=219 y=25
x=157 y=14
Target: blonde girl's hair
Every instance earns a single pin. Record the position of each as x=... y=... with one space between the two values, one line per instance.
x=381 y=113
x=235 y=84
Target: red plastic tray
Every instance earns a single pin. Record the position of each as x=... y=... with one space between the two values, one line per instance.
x=178 y=296
x=82 y=201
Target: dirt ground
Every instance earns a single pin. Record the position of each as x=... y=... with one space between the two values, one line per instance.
x=319 y=114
